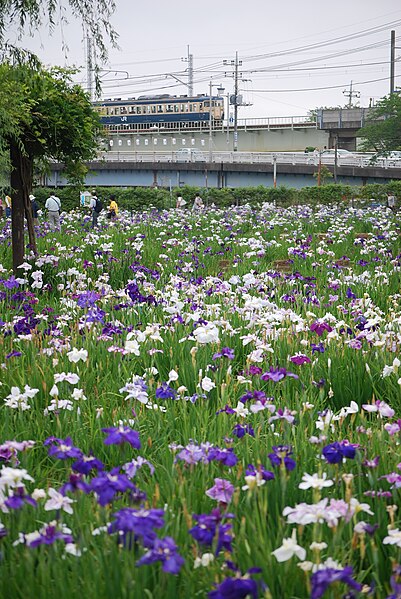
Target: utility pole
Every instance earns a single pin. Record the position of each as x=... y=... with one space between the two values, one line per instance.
x=392 y=62
x=351 y=94
x=89 y=67
x=235 y=99
x=190 y=60
x=235 y=147
x=335 y=157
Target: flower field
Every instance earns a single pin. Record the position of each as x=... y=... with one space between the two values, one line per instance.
x=203 y=405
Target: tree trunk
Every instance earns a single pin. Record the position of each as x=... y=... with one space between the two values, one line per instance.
x=21 y=185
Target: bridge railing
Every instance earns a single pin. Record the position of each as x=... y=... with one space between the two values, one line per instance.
x=294 y=158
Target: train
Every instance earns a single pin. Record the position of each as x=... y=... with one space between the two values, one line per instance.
x=161 y=112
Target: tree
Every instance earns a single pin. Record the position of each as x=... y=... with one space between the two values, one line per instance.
x=382 y=132
x=31 y=14
x=24 y=130
x=42 y=116
x=323 y=174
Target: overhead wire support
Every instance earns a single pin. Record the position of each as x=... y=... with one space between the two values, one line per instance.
x=351 y=93
x=190 y=60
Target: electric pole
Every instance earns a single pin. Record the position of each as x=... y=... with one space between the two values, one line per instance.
x=392 y=61
x=235 y=99
x=89 y=67
x=190 y=60
x=351 y=93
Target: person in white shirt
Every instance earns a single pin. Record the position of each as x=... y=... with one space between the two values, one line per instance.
x=53 y=206
x=180 y=202
x=391 y=202
x=198 y=204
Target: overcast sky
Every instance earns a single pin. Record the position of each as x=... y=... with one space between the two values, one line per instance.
x=153 y=37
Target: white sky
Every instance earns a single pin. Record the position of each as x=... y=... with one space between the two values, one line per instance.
x=154 y=36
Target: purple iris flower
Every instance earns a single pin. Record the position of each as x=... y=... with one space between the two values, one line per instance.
x=277 y=374
x=165 y=551
x=235 y=588
x=395 y=582
x=371 y=463
x=320 y=327
x=95 y=314
x=19 y=498
x=225 y=352
x=322 y=579
x=240 y=430
x=335 y=452
x=252 y=471
x=165 y=392
x=227 y=410
x=317 y=348
x=139 y=522
x=49 y=535
x=87 y=299
x=254 y=370
x=300 y=359
x=75 y=483
x=225 y=456
x=256 y=395
x=87 y=463
x=107 y=484
x=210 y=528
x=13 y=354
x=350 y=294
x=62 y=449
x=122 y=434
x=280 y=457
x=10 y=283
x=222 y=491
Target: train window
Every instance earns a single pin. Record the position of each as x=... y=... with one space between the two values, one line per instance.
x=117 y=110
x=123 y=110
x=153 y=109
x=206 y=103
x=169 y=108
x=176 y=108
x=131 y=109
x=160 y=108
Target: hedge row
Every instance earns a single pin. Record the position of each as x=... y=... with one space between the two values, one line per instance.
x=138 y=198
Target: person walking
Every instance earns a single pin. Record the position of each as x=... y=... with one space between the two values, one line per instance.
x=7 y=201
x=113 y=208
x=96 y=207
x=34 y=210
x=53 y=207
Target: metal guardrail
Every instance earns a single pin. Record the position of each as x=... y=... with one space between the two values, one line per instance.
x=294 y=158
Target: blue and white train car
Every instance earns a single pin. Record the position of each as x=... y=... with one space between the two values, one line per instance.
x=161 y=112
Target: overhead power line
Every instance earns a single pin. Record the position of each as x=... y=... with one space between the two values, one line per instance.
x=313 y=89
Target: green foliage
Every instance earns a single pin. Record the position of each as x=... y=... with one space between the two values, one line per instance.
x=382 y=133
x=145 y=198
x=325 y=173
x=29 y=15
x=47 y=116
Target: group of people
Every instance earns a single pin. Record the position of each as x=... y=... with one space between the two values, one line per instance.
x=96 y=207
x=198 y=204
